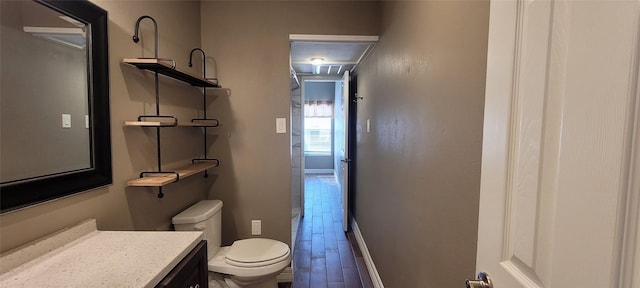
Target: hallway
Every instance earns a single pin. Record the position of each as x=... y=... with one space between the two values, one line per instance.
x=323 y=257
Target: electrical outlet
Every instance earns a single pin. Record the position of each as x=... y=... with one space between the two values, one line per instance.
x=256 y=227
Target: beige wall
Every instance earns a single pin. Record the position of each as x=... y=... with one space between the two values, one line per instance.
x=418 y=170
x=118 y=207
x=249 y=41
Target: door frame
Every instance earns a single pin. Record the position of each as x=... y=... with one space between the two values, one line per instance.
x=350 y=137
x=352 y=143
x=351 y=146
x=313 y=78
x=630 y=250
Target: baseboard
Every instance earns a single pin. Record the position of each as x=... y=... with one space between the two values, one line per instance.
x=368 y=261
x=286 y=275
x=295 y=224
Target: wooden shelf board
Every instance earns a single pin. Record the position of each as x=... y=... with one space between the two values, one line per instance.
x=150 y=123
x=167 y=124
x=164 y=179
x=166 y=68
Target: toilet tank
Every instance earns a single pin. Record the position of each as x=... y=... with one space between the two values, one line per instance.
x=205 y=216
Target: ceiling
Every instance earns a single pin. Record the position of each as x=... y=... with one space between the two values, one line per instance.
x=339 y=52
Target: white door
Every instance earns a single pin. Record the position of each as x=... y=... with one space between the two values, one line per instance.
x=560 y=166
x=344 y=179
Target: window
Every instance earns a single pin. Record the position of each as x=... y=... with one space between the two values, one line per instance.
x=318 y=118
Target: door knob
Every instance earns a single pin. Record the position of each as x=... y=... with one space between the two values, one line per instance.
x=484 y=281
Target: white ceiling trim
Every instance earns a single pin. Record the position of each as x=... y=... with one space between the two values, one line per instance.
x=332 y=38
x=327 y=63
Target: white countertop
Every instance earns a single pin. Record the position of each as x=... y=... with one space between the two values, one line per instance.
x=98 y=259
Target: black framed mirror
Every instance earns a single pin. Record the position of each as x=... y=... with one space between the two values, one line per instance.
x=80 y=28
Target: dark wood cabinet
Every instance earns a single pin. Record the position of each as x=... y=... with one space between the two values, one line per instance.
x=191 y=272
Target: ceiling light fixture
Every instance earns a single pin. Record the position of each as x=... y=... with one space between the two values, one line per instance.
x=317 y=61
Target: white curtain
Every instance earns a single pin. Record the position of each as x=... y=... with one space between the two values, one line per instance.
x=318 y=109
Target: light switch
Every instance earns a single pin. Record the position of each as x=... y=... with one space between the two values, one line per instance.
x=281 y=125
x=66 y=120
x=368 y=125
x=86 y=121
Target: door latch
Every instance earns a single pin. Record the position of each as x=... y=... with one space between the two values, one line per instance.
x=484 y=281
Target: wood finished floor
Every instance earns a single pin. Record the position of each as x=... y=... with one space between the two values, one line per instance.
x=323 y=257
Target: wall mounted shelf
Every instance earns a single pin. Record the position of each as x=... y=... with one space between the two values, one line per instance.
x=210 y=123
x=164 y=178
x=150 y=123
x=167 y=67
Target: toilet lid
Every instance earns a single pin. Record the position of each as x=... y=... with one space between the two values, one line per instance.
x=256 y=252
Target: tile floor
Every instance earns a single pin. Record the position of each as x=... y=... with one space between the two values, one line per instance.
x=323 y=257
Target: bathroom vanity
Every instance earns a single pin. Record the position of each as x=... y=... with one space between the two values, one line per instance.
x=82 y=256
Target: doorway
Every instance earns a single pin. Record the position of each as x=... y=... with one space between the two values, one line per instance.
x=322 y=124
x=315 y=56
x=313 y=128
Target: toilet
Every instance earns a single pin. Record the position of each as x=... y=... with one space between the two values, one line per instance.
x=247 y=263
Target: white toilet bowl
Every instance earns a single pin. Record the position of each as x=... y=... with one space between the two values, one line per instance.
x=247 y=263
x=251 y=263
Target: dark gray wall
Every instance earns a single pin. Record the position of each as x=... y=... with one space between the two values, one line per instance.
x=418 y=170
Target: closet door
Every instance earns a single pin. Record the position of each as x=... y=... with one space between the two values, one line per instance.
x=344 y=179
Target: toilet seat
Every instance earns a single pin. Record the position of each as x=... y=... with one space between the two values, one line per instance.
x=218 y=263
x=256 y=252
